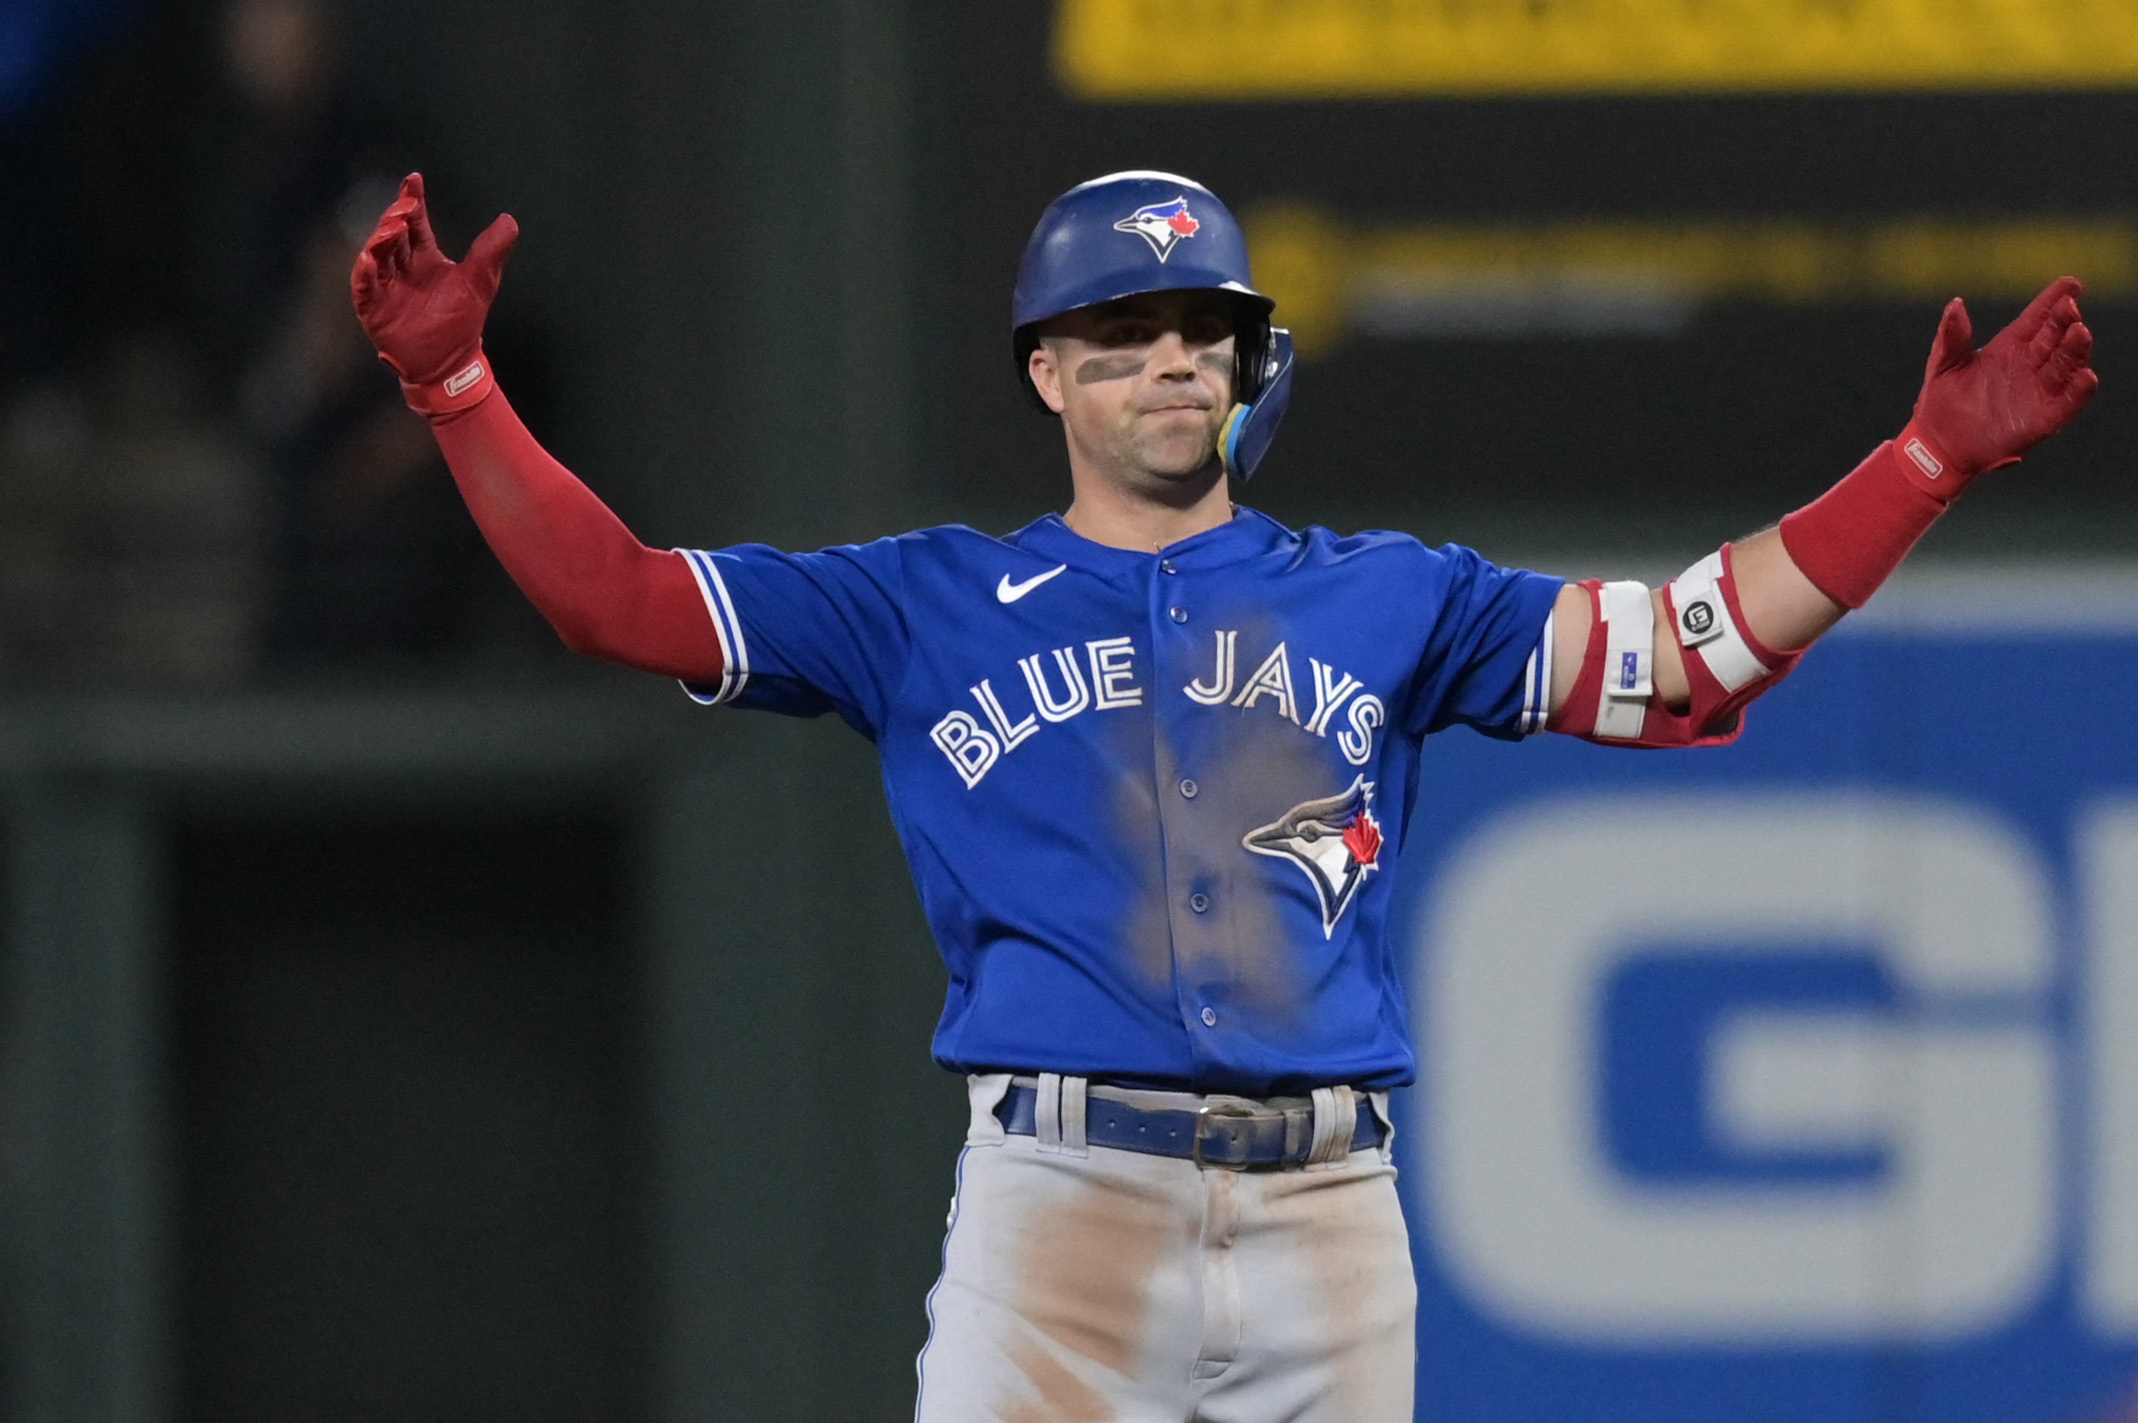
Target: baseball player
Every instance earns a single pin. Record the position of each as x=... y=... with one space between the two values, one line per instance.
x=1153 y=760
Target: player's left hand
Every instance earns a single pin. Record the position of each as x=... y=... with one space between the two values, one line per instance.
x=1984 y=409
x=424 y=311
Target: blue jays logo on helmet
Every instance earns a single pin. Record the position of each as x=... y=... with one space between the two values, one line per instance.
x=1163 y=225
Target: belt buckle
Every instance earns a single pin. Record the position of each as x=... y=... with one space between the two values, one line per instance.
x=1202 y=1115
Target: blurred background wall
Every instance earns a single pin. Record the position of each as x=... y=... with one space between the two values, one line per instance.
x=399 y=1018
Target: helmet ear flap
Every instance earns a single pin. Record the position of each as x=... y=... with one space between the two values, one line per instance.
x=1253 y=424
x=1250 y=350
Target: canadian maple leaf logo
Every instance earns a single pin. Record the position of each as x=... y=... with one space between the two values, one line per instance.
x=1183 y=224
x=1363 y=839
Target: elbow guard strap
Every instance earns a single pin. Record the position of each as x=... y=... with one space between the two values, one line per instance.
x=1628 y=681
x=1613 y=700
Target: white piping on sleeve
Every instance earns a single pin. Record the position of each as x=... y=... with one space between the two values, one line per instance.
x=734 y=651
x=1537 y=683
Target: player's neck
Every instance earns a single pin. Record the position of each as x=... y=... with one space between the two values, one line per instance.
x=1119 y=518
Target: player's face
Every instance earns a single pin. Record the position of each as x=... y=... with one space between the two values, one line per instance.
x=1143 y=384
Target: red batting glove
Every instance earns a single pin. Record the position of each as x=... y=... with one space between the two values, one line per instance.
x=1979 y=410
x=423 y=310
x=1982 y=410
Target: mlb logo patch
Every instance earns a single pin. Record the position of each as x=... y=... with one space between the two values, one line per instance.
x=1164 y=225
x=1629 y=672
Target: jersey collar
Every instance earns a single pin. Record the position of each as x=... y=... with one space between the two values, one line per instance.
x=1247 y=534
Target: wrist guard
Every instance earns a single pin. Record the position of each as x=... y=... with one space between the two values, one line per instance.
x=467 y=387
x=1849 y=540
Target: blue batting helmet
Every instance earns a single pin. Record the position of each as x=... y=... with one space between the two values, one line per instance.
x=1130 y=233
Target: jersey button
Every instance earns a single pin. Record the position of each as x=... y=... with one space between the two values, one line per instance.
x=1198 y=901
x=1209 y=1017
x=1166 y=565
x=1189 y=788
x=1177 y=613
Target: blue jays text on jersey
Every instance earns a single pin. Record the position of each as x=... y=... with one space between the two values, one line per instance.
x=1148 y=799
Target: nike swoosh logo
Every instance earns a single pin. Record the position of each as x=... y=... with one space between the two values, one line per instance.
x=1008 y=592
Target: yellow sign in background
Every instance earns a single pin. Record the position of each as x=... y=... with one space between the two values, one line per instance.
x=1307 y=49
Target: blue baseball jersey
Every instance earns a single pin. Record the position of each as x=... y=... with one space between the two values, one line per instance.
x=1153 y=802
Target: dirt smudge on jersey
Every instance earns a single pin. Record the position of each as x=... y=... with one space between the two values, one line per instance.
x=1247 y=941
x=1146 y=931
x=1213 y=774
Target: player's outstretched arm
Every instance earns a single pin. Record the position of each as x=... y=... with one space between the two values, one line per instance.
x=1677 y=665
x=605 y=593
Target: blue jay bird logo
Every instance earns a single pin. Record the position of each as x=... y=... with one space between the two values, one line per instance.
x=1335 y=843
x=1164 y=225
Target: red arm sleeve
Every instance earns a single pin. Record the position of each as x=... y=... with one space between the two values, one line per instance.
x=605 y=593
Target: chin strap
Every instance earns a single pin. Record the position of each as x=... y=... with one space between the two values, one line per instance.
x=1244 y=438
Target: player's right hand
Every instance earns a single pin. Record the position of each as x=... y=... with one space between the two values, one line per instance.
x=423 y=310
x=1983 y=409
